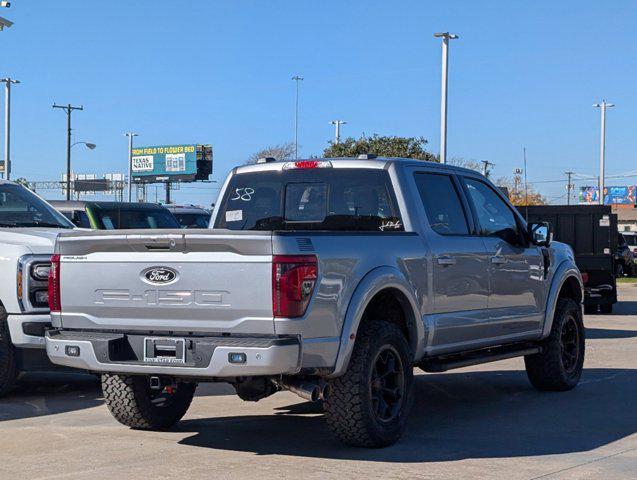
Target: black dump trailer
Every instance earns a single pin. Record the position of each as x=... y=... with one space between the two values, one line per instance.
x=591 y=230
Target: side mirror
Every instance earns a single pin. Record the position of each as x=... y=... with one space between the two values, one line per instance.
x=540 y=233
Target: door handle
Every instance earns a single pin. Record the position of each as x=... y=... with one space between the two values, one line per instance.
x=446 y=260
x=498 y=260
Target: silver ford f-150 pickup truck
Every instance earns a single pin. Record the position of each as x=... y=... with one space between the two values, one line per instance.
x=330 y=278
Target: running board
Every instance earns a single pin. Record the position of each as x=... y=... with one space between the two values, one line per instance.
x=476 y=357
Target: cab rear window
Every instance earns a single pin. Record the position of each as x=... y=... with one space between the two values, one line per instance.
x=312 y=199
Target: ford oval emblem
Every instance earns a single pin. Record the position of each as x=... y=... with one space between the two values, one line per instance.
x=159 y=275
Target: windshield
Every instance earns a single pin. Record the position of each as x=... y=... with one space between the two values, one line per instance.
x=310 y=199
x=129 y=218
x=193 y=220
x=631 y=240
x=19 y=207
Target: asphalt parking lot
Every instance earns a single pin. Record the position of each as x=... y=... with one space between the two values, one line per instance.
x=479 y=422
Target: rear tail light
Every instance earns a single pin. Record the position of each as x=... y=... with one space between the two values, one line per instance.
x=585 y=277
x=293 y=281
x=55 y=304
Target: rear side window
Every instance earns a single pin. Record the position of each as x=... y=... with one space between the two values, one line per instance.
x=443 y=207
x=310 y=199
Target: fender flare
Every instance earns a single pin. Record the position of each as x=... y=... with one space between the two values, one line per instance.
x=564 y=271
x=376 y=280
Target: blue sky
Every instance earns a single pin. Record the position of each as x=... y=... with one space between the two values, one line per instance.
x=522 y=74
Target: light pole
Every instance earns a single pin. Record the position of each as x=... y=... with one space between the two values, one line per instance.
x=569 y=186
x=446 y=36
x=485 y=167
x=7 y=124
x=297 y=79
x=602 y=147
x=337 y=134
x=68 y=109
x=130 y=136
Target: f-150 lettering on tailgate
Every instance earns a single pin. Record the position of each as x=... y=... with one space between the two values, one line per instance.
x=203 y=298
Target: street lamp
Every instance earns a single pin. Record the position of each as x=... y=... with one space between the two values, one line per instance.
x=4 y=23
x=297 y=79
x=337 y=135
x=602 y=147
x=130 y=136
x=7 y=124
x=89 y=145
x=446 y=36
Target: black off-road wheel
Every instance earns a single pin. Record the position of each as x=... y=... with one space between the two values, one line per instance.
x=368 y=406
x=559 y=366
x=8 y=363
x=133 y=403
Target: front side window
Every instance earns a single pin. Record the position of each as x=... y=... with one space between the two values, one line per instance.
x=19 y=207
x=443 y=207
x=494 y=215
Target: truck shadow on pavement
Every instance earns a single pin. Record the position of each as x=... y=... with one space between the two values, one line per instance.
x=50 y=393
x=39 y=394
x=481 y=414
x=606 y=333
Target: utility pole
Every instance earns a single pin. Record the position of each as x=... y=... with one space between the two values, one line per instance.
x=446 y=36
x=485 y=167
x=337 y=135
x=569 y=186
x=526 y=188
x=297 y=79
x=602 y=147
x=68 y=109
x=130 y=136
x=7 y=124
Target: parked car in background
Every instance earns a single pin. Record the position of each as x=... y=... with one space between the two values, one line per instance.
x=190 y=216
x=116 y=215
x=28 y=227
x=631 y=241
x=625 y=261
x=330 y=278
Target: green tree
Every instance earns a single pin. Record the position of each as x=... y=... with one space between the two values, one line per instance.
x=22 y=181
x=382 y=146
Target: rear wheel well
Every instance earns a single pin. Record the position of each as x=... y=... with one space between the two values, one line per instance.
x=391 y=305
x=571 y=289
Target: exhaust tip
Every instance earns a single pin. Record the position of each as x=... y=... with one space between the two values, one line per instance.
x=325 y=391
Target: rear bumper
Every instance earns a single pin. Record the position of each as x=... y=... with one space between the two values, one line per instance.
x=27 y=331
x=206 y=357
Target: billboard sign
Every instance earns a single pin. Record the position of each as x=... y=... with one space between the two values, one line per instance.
x=613 y=195
x=164 y=162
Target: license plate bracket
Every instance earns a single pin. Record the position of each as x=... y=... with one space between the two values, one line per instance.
x=165 y=350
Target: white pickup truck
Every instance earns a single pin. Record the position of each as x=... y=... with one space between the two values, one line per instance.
x=28 y=229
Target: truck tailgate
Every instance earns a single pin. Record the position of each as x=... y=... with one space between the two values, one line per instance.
x=211 y=281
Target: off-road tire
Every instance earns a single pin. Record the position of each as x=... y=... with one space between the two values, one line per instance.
x=553 y=369
x=606 y=309
x=8 y=363
x=349 y=408
x=129 y=399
